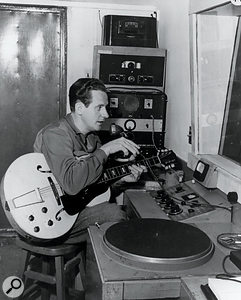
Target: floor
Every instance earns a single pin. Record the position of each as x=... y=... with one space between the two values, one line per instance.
x=10 y=262
x=10 y=259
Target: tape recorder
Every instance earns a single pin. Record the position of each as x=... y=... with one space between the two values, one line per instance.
x=130 y=66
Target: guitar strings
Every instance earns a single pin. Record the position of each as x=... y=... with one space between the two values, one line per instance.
x=112 y=172
x=153 y=174
x=46 y=189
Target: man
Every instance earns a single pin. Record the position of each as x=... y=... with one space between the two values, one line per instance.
x=76 y=157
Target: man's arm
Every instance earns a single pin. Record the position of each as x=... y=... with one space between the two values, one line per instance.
x=73 y=171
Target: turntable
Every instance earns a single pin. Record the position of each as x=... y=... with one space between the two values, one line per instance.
x=159 y=251
x=147 y=258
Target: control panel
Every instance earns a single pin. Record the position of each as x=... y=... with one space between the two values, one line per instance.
x=185 y=202
x=180 y=202
x=130 y=66
x=137 y=104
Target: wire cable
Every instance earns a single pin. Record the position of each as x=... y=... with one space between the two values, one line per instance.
x=228 y=275
x=100 y=19
x=153 y=133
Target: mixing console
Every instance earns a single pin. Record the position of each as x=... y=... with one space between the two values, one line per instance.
x=180 y=202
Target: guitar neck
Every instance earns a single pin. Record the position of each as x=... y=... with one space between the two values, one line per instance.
x=123 y=170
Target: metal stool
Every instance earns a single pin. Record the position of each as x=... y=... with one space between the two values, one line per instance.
x=54 y=264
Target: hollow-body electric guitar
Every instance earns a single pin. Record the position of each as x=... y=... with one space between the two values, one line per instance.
x=38 y=208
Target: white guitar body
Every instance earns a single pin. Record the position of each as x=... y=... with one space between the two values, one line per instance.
x=30 y=203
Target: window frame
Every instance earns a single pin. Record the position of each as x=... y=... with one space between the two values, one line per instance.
x=229 y=172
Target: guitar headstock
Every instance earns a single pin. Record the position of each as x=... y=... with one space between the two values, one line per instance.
x=167 y=157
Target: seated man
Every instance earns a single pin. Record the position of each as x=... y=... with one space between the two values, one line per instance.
x=76 y=157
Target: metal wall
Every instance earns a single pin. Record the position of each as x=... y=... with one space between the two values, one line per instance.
x=32 y=76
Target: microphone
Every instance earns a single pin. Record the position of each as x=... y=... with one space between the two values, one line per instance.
x=117 y=131
x=235 y=208
x=232 y=197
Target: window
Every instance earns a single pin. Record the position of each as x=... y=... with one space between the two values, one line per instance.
x=230 y=143
x=215 y=44
x=216 y=90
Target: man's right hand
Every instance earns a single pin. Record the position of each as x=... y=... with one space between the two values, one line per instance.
x=121 y=144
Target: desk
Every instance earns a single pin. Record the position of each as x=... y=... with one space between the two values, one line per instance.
x=110 y=279
x=190 y=288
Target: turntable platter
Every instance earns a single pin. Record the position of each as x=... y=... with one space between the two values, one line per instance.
x=158 y=244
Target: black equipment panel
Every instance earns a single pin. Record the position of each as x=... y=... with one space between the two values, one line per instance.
x=137 y=104
x=143 y=139
x=137 y=70
x=129 y=31
x=141 y=113
x=130 y=66
x=135 y=77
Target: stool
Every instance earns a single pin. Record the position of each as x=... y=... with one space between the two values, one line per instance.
x=55 y=262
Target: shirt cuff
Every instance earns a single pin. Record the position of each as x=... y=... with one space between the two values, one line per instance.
x=101 y=155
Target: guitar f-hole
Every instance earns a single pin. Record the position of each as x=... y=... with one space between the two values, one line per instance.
x=57 y=217
x=39 y=167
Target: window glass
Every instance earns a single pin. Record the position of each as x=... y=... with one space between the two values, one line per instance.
x=230 y=145
x=215 y=44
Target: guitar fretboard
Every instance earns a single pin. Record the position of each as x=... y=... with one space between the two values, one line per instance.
x=123 y=170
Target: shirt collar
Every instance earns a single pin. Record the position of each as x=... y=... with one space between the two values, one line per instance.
x=70 y=121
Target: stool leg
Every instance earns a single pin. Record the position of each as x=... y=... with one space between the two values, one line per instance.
x=24 y=264
x=45 y=294
x=60 y=281
x=82 y=271
x=23 y=267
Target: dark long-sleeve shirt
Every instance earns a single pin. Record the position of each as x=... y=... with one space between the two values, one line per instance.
x=75 y=159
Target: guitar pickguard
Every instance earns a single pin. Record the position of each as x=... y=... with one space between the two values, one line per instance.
x=73 y=204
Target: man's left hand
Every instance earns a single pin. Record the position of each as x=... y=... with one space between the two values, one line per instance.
x=136 y=171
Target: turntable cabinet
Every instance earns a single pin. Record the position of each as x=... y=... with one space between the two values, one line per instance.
x=148 y=258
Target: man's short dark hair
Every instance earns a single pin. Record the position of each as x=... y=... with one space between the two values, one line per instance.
x=81 y=91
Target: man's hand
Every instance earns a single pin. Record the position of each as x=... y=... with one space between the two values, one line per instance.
x=124 y=145
x=136 y=171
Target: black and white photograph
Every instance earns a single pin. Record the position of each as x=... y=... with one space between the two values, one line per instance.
x=120 y=150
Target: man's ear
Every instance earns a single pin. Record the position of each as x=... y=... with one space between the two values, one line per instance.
x=79 y=106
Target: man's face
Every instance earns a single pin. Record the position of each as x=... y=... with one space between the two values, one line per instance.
x=95 y=114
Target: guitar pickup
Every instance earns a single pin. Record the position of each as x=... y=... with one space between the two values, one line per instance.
x=55 y=191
